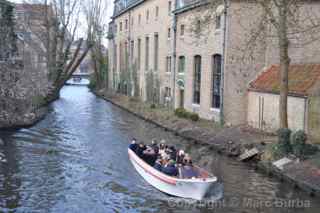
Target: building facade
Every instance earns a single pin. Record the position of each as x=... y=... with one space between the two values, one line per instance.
x=199 y=51
x=140 y=45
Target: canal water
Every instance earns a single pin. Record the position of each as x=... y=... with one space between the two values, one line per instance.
x=75 y=160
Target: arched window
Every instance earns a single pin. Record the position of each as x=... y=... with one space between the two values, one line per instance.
x=216 y=80
x=197 y=79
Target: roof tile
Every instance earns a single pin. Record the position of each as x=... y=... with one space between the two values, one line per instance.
x=302 y=77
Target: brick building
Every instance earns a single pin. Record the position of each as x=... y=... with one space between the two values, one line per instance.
x=198 y=51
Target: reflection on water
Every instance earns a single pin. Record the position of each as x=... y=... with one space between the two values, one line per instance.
x=75 y=160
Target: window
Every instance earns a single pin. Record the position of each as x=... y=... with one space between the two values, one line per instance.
x=169 y=32
x=182 y=29
x=169 y=7
x=218 y=22
x=120 y=26
x=167 y=92
x=139 y=54
x=126 y=56
x=216 y=80
x=120 y=57
x=198 y=27
x=115 y=57
x=157 y=12
x=168 y=68
x=182 y=64
x=139 y=19
x=132 y=51
x=126 y=24
x=147 y=16
x=197 y=79
x=156 y=51
x=147 y=54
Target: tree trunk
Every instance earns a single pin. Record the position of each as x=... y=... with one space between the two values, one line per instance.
x=284 y=63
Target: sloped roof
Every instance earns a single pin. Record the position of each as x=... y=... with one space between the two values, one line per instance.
x=302 y=77
x=30 y=7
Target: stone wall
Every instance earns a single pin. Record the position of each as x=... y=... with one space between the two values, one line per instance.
x=20 y=97
x=23 y=83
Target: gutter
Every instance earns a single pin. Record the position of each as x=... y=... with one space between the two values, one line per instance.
x=174 y=56
x=291 y=94
x=226 y=6
x=127 y=8
x=190 y=6
x=305 y=118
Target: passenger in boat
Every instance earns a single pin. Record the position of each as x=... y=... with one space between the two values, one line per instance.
x=172 y=152
x=165 y=157
x=150 y=156
x=180 y=157
x=188 y=170
x=155 y=146
x=170 y=168
x=158 y=165
x=162 y=148
x=139 y=150
x=133 y=146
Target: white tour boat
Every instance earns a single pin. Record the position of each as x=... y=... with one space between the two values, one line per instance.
x=195 y=188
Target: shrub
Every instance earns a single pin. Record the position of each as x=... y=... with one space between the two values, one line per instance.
x=194 y=116
x=153 y=106
x=182 y=113
x=298 y=143
x=93 y=83
x=284 y=144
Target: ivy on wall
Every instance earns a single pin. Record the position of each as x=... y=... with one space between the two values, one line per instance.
x=8 y=37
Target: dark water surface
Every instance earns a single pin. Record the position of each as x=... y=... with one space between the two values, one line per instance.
x=75 y=160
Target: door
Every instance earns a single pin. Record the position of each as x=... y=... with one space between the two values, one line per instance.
x=181 y=98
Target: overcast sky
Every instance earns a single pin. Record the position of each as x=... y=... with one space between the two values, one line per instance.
x=82 y=29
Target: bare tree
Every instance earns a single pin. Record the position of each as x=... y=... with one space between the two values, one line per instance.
x=58 y=30
x=96 y=17
x=289 y=20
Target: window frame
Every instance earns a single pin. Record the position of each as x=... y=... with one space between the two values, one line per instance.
x=184 y=64
x=216 y=81
x=168 y=64
x=197 y=80
x=156 y=51
x=147 y=53
x=218 y=21
x=182 y=29
x=147 y=16
x=157 y=13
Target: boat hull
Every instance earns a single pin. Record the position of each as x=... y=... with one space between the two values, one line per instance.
x=186 y=188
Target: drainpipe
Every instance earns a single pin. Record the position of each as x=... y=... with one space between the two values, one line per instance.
x=225 y=12
x=305 y=116
x=174 y=56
